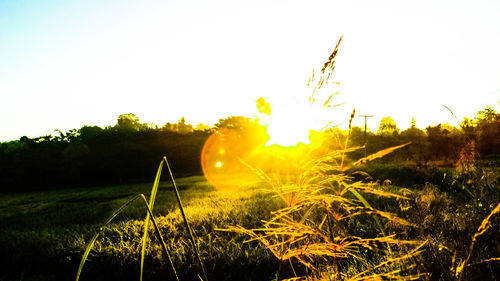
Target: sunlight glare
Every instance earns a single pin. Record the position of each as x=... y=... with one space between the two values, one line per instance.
x=289 y=123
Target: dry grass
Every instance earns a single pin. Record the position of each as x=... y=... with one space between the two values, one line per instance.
x=311 y=234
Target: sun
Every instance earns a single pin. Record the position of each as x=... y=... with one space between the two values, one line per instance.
x=293 y=121
x=288 y=124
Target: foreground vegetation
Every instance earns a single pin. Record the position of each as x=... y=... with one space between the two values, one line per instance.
x=43 y=234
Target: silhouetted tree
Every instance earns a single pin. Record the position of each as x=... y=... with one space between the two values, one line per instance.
x=444 y=143
x=184 y=128
x=488 y=131
x=387 y=126
x=202 y=127
x=86 y=133
x=238 y=123
x=129 y=122
x=417 y=139
x=180 y=127
x=413 y=123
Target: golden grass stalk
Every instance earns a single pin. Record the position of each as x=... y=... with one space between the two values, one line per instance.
x=326 y=72
x=485 y=225
x=311 y=228
x=483 y=261
x=376 y=155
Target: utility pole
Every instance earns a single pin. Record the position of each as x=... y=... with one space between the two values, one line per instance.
x=366 y=116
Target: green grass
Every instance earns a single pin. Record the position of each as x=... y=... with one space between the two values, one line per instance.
x=44 y=234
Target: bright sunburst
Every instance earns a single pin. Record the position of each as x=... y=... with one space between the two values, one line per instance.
x=288 y=123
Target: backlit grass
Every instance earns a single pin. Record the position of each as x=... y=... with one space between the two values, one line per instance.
x=45 y=234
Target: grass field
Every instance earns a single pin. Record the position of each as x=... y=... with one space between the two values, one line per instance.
x=43 y=235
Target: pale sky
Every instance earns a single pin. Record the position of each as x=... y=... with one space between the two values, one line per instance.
x=65 y=64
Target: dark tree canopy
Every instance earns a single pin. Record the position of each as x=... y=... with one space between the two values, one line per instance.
x=130 y=151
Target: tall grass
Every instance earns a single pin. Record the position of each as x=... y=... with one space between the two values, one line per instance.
x=328 y=222
x=315 y=232
x=320 y=231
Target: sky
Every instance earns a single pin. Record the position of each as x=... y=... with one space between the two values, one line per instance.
x=65 y=64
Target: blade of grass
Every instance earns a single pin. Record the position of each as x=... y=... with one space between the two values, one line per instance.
x=377 y=221
x=146 y=221
x=485 y=225
x=367 y=205
x=379 y=154
x=185 y=219
x=160 y=237
x=92 y=241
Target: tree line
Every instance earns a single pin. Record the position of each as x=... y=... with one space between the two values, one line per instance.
x=476 y=138
x=130 y=151
x=127 y=152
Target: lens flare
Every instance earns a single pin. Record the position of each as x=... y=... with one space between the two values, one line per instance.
x=223 y=157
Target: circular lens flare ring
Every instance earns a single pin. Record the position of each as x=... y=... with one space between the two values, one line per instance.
x=222 y=160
